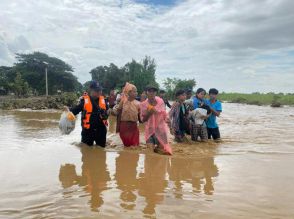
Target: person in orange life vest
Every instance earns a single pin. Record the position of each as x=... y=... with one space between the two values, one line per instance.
x=94 y=116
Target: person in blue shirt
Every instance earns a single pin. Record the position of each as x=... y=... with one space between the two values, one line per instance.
x=198 y=129
x=216 y=109
x=198 y=99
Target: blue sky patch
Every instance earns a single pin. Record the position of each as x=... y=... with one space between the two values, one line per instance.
x=158 y=2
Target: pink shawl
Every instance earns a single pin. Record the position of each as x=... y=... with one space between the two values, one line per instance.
x=156 y=124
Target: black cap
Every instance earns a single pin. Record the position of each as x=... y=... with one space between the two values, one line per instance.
x=95 y=86
x=151 y=87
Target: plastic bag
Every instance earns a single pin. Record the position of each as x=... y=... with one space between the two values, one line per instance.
x=67 y=123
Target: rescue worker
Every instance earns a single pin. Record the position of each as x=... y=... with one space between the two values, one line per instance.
x=94 y=116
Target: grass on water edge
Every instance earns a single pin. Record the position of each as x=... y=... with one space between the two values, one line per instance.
x=272 y=99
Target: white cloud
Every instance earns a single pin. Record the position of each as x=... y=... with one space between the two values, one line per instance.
x=226 y=44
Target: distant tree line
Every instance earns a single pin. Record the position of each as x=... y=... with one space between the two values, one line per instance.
x=27 y=75
x=141 y=74
x=113 y=77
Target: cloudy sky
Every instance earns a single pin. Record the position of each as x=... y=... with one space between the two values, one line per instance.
x=243 y=46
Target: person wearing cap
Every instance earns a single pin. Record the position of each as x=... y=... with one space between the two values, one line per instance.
x=162 y=96
x=216 y=109
x=94 y=116
x=179 y=123
x=154 y=117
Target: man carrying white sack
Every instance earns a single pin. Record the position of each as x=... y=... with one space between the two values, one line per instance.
x=94 y=116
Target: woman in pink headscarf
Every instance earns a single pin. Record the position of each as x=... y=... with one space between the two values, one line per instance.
x=129 y=109
x=154 y=116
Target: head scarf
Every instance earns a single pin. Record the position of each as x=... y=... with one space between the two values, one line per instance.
x=127 y=88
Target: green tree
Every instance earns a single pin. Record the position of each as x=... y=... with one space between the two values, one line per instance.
x=20 y=87
x=32 y=68
x=107 y=76
x=139 y=73
x=86 y=86
x=173 y=84
x=7 y=76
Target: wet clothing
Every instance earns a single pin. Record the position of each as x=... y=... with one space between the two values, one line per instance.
x=97 y=135
x=198 y=131
x=128 y=122
x=156 y=145
x=129 y=133
x=184 y=121
x=179 y=121
x=156 y=123
x=211 y=121
x=97 y=130
x=152 y=140
x=130 y=110
x=198 y=126
x=129 y=117
x=213 y=133
x=197 y=102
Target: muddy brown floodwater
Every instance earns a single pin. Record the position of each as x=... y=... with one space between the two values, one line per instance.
x=247 y=175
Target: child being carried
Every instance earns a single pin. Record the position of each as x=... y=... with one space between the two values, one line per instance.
x=197 y=118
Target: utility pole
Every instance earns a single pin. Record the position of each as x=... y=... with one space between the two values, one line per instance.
x=46 y=76
x=46 y=81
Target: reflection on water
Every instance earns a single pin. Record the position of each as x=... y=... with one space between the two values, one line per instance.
x=196 y=172
x=247 y=175
x=126 y=179
x=148 y=176
x=94 y=175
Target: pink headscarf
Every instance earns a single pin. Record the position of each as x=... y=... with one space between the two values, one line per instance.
x=156 y=124
x=127 y=88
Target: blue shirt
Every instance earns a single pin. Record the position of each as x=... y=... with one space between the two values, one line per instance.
x=196 y=102
x=211 y=121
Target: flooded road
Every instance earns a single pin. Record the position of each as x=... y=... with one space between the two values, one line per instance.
x=247 y=175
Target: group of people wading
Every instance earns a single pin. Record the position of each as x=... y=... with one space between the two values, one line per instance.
x=189 y=115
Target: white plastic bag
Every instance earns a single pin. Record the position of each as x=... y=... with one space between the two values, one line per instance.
x=67 y=123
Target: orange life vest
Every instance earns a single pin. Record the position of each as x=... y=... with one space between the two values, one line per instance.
x=88 y=108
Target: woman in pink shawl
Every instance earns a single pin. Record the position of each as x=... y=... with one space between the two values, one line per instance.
x=154 y=116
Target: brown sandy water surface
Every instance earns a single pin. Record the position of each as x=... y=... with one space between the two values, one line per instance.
x=247 y=175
